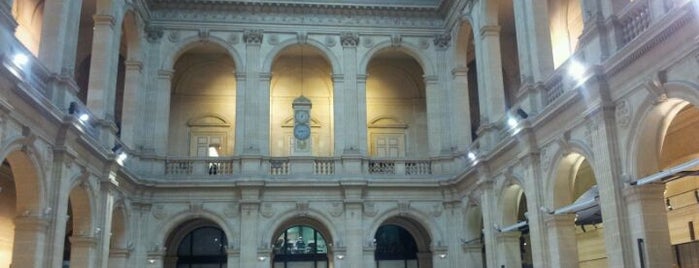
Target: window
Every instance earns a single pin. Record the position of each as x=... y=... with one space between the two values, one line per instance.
x=395 y=247
x=300 y=246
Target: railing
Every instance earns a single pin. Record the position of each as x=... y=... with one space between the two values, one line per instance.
x=553 y=88
x=634 y=20
x=193 y=167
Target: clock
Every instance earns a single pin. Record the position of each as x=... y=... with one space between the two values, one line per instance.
x=302 y=131
x=301 y=116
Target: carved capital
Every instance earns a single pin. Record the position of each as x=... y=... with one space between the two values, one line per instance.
x=349 y=39
x=154 y=33
x=490 y=30
x=103 y=20
x=442 y=40
x=252 y=37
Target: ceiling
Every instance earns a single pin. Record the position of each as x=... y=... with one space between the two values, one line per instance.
x=391 y=3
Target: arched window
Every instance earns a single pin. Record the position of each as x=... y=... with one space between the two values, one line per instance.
x=300 y=246
x=202 y=247
x=395 y=247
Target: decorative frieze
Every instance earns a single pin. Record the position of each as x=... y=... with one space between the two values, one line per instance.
x=233 y=39
x=154 y=33
x=252 y=37
x=174 y=36
x=330 y=41
x=337 y=209
x=349 y=39
x=623 y=113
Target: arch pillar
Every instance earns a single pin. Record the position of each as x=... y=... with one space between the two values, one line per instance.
x=433 y=93
x=508 y=247
x=29 y=241
x=353 y=234
x=368 y=256
x=562 y=241
x=118 y=257
x=248 y=232
x=461 y=123
x=161 y=123
x=83 y=250
x=349 y=100
x=648 y=223
x=491 y=92
x=424 y=259
x=101 y=92
x=473 y=255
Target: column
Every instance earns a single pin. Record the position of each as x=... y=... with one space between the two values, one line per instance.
x=491 y=93
x=339 y=102
x=59 y=35
x=118 y=257
x=460 y=108
x=161 y=122
x=353 y=234
x=563 y=244
x=434 y=116
x=350 y=103
x=249 y=214
x=83 y=250
x=241 y=96
x=103 y=66
x=488 y=208
x=132 y=106
x=255 y=107
x=647 y=215
x=104 y=214
x=455 y=226
x=508 y=248
x=29 y=242
x=537 y=228
x=473 y=255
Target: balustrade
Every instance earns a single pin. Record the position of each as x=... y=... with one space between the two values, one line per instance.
x=634 y=20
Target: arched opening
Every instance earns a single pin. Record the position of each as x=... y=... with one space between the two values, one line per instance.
x=118 y=244
x=682 y=195
x=29 y=15
x=8 y=205
x=80 y=234
x=19 y=198
x=402 y=243
x=465 y=55
x=301 y=70
x=300 y=246
x=515 y=243
x=576 y=181
x=395 y=89
x=566 y=26
x=474 y=243
x=203 y=84
x=197 y=243
x=509 y=55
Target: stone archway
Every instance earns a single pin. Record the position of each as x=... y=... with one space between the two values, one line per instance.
x=402 y=242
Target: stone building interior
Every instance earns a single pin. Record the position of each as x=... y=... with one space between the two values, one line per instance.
x=349 y=133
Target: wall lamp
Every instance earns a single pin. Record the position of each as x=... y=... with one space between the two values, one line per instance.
x=79 y=111
x=118 y=149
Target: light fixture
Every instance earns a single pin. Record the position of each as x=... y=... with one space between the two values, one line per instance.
x=151 y=261
x=443 y=255
x=576 y=70
x=472 y=156
x=121 y=155
x=511 y=122
x=84 y=117
x=261 y=258
x=20 y=60
x=340 y=257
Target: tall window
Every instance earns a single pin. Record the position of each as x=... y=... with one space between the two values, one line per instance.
x=395 y=247
x=203 y=247
x=300 y=246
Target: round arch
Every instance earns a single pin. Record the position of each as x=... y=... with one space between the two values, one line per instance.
x=192 y=42
x=327 y=54
x=646 y=140
x=82 y=204
x=120 y=225
x=312 y=217
x=566 y=161
x=174 y=222
x=412 y=51
x=131 y=34
x=464 y=35
x=418 y=218
x=29 y=180
x=183 y=228
x=511 y=195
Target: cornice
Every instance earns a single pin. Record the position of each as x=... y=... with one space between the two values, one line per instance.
x=296 y=13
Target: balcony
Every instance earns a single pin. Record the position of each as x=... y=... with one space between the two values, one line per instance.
x=163 y=169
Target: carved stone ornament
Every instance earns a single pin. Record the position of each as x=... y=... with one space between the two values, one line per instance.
x=623 y=113
x=252 y=37
x=302 y=208
x=437 y=210
x=233 y=39
x=204 y=34
x=545 y=156
x=231 y=210
x=196 y=206
x=349 y=39
x=154 y=33
x=174 y=36
x=302 y=37
x=442 y=40
x=337 y=209
x=403 y=207
x=591 y=129
x=370 y=209
x=368 y=42
x=330 y=41
x=396 y=40
x=159 y=212
x=424 y=43
x=267 y=210
x=273 y=39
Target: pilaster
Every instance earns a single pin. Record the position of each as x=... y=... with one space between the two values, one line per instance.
x=460 y=112
x=491 y=91
x=255 y=101
x=132 y=104
x=562 y=240
x=83 y=251
x=353 y=234
x=648 y=224
x=508 y=249
x=161 y=124
x=29 y=241
x=102 y=85
x=434 y=115
x=351 y=101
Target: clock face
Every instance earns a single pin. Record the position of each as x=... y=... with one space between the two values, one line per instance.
x=302 y=131
x=301 y=116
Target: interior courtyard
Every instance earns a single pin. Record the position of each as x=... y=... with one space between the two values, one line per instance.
x=349 y=133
